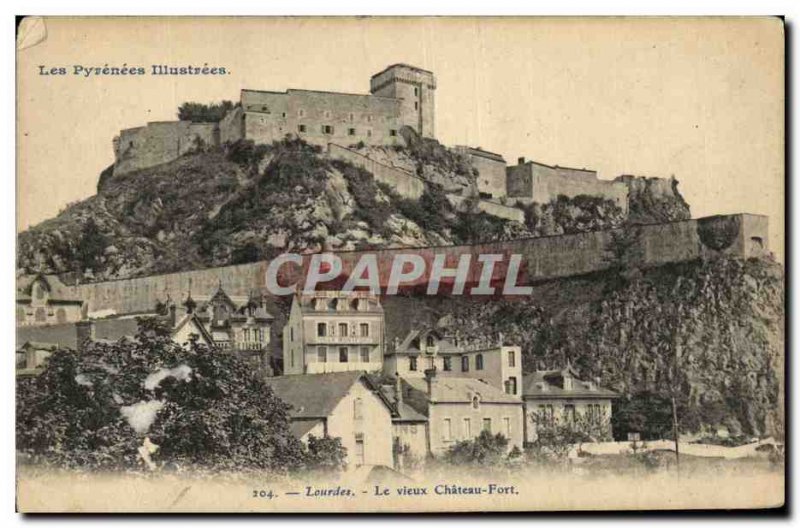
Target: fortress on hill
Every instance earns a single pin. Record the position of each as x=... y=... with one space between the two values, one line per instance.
x=399 y=109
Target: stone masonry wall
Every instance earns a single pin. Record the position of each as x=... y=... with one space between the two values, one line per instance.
x=405 y=183
x=159 y=142
x=543 y=258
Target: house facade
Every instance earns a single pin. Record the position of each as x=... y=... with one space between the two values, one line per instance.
x=344 y=405
x=332 y=331
x=559 y=397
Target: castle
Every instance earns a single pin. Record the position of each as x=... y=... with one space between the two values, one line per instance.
x=399 y=108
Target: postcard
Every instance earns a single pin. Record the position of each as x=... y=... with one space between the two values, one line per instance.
x=412 y=264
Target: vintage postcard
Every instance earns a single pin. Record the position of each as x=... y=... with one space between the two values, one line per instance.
x=399 y=264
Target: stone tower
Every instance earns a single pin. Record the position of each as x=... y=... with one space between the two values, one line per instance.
x=416 y=88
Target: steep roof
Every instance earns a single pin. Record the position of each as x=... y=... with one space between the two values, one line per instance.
x=460 y=390
x=545 y=384
x=405 y=413
x=338 y=302
x=317 y=395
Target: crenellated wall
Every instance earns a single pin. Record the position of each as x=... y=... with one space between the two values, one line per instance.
x=740 y=235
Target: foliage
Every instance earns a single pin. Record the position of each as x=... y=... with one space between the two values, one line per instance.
x=432 y=212
x=204 y=113
x=245 y=153
x=624 y=255
x=646 y=413
x=219 y=415
x=428 y=151
x=472 y=225
x=557 y=436
x=484 y=450
x=404 y=458
x=90 y=246
x=325 y=454
x=362 y=186
x=577 y=214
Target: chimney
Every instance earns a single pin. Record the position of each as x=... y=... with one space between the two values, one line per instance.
x=521 y=160
x=398 y=389
x=430 y=378
x=85 y=333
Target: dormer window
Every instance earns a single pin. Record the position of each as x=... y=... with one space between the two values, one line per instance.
x=430 y=341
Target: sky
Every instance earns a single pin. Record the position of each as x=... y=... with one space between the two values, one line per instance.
x=700 y=99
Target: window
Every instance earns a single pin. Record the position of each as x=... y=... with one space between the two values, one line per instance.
x=412 y=363
x=327 y=113
x=322 y=354
x=487 y=425
x=343 y=354
x=351 y=131
x=327 y=129
x=301 y=113
x=343 y=329
x=569 y=414
x=467 y=429
x=447 y=432
x=416 y=91
x=40 y=315
x=365 y=354
x=430 y=341
x=369 y=133
x=546 y=414
x=247 y=334
x=61 y=315
x=393 y=132
x=283 y=115
x=360 y=449
x=357 y=409
x=369 y=118
x=416 y=105
x=507 y=427
x=512 y=385
x=512 y=359
x=322 y=329
x=301 y=129
x=364 y=329
x=476 y=402
x=479 y=362
x=350 y=116
x=464 y=363
x=448 y=365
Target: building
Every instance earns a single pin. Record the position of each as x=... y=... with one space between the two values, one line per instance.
x=44 y=299
x=533 y=182
x=31 y=357
x=237 y=324
x=491 y=167
x=459 y=409
x=559 y=397
x=409 y=429
x=340 y=404
x=488 y=360
x=333 y=331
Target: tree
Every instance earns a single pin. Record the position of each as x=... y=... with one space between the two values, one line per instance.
x=90 y=246
x=624 y=255
x=557 y=436
x=325 y=454
x=204 y=113
x=201 y=408
x=485 y=450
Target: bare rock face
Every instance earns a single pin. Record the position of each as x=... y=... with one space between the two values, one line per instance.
x=654 y=200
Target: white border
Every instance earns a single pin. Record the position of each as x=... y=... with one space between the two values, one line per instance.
x=790 y=9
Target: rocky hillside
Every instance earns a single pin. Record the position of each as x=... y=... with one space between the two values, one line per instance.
x=244 y=203
x=720 y=321
x=654 y=200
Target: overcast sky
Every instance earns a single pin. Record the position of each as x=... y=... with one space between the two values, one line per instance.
x=698 y=99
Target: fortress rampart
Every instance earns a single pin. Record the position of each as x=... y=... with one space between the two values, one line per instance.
x=405 y=183
x=160 y=142
x=740 y=235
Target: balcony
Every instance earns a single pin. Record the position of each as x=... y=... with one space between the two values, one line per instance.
x=322 y=368
x=241 y=345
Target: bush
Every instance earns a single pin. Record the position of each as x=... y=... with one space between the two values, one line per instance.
x=485 y=450
x=204 y=113
x=96 y=409
x=325 y=454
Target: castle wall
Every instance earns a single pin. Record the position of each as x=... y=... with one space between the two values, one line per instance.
x=231 y=127
x=321 y=117
x=535 y=182
x=491 y=171
x=543 y=258
x=159 y=142
x=403 y=182
x=493 y=208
